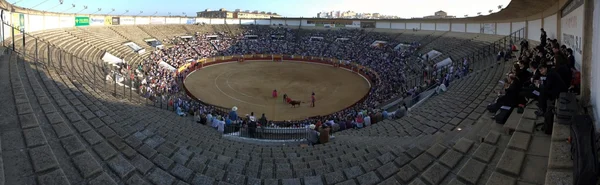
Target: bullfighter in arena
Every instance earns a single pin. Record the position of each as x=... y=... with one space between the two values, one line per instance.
x=285 y=97
x=312 y=97
x=275 y=93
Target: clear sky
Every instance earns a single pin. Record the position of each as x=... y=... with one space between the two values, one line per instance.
x=288 y=8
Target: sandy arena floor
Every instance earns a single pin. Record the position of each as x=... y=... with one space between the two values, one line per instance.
x=248 y=86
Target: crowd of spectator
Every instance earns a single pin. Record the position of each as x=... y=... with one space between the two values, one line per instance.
x=540 y=74
x=386 y=65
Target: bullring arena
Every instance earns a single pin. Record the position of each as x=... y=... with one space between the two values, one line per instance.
x=127 y=99
x=248 y=85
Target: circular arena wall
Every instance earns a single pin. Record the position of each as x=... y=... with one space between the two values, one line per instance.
x=248 y=85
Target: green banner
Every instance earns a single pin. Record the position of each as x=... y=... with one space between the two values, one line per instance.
x=340 y=25
x=320 y=24
x=82 y=21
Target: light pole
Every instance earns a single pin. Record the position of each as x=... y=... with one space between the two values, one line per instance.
x=111 y=11
x=60 y=2
x=185 y=15
x=154 y=13
x=126 y=11
x=72 y=6
x=39 y=4
x=169 y=14
x=99 y=9
x=139 y=13
x=84 y=8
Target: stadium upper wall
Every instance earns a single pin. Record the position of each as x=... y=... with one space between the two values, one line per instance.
x=549 y=19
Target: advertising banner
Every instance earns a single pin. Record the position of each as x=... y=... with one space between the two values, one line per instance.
x=51 y=22
x=35 y=23
x=157 y=20
x=18 y=20
x=222 y=21
x=356 y=24
x=202 y=21
x=488 y=28
x=114 y=21
x=97 y=21
x=572 y=26
x=247 y=21
x=172 y=20
x=126 y=21
x=141 y=20
x=66 y=21
x=190 y=21
x=107 y=20
x=6 y=17
x=83 y=21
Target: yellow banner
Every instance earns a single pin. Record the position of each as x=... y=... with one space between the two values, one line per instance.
x=18 y=22
x=107 y=21
x=184 y=67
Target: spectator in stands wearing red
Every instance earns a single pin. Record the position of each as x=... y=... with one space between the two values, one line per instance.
x=575 y=83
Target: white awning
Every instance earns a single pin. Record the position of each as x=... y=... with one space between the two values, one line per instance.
x=166 y=66
x=187 y=37
x=111 y=59
x=443 y=63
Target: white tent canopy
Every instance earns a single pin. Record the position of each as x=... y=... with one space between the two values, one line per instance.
x=166 y=66
x=111 y=59
x=316 y=38
x=342 y=39
x=432 y=54
x=443 y=63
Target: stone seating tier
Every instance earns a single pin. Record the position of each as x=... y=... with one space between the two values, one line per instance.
x=69 y=132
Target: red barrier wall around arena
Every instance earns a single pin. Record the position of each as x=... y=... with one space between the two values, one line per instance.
x=320 y=60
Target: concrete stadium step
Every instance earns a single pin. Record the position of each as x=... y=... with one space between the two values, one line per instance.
x=166 y=149
x=32 y=151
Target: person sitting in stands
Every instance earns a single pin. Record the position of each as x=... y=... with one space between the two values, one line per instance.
x=313 y=135
x=359 y=121
x=221 y=125
x=575 y=83
x=324 y=134
x=349 y=124
x=342 y=125
x=551 y=87
x=209 y=119
x=367 y=120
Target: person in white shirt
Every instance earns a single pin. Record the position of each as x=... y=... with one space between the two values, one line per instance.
x=251 y=117
x=209 y=119
x=367 y=120
x=221 y=126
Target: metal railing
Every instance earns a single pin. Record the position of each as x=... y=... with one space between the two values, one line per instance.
x=267 y=133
